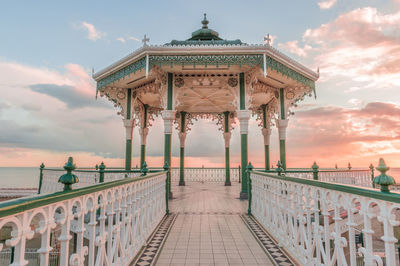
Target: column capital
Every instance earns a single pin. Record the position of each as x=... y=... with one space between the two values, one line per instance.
x=143 y=135
x=282 y=125
x=227 y=138
x=182 y=138
x=266 y=131
x=168 y=117
x=129 y=124
x=243 y=116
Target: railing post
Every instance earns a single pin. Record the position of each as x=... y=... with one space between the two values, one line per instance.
x=101 y=168
x=349 y=166
x=279 y=168
x=249 y=168
x=144 y=169
x=239 y=174
x=166 y=168
x=383 y=179
x=69 y=179
x=371 y=167
x=40 y=177
x=315 y=171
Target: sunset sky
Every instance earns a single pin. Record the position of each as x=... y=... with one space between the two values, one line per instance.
x=48 y=109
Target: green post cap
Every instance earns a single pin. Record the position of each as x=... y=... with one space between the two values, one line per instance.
x=315 y=167
x=166 y=166
x=102 y=166
x=68 y=179
x=144 y=169
x=42 y=166
x=349 y=166
x=279 y=168
x=383 y=180
x=371 y=167
x=249 y=167
x=205 y=22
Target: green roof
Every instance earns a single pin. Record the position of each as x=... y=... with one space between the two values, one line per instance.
x=205 y=36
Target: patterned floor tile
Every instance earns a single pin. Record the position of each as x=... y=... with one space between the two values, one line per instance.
x=148 y=255
x=269 y=245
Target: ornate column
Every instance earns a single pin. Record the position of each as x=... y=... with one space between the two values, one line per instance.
x=227 y=138
x=243 y=116
x=143 y=131
x=282 y=124
x=182 y=138
x=143 y=139
x=129 y=125
x=168 y=117
x=266 y=132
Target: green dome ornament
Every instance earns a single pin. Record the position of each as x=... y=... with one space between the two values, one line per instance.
x=69 y=178
x=383 y=180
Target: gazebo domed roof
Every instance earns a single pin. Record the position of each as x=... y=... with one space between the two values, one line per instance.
x=205 y=36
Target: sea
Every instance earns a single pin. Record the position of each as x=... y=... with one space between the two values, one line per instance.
x=28 y=177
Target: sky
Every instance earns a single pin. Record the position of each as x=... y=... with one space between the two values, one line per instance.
x=48 y=50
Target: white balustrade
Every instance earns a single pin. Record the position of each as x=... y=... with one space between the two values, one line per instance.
x=111 y=222
x=316 y=222
x=205 y=174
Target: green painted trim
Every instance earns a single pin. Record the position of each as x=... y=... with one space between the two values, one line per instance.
x=282 y=153
x=282 y=101
x=264 y=115
x=27 y=203
x=142 y=155
x=122 y=73
x=371 y=193
x=167 y=152
x=128 y=155
x=182 y=167
x=40 y=178
x=183 y=121
x=206 y=60
x=267 y=162
x=226 y=121
x=244 y=161
x=145 y=109
x=227 y=167
x=242 y=91
x=169 y=92
x=128 y=104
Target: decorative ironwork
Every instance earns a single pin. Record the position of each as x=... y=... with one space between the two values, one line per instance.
x=233 y=82
x=179 y=82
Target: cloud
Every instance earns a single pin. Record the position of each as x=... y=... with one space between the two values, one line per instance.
x=294 y=48
x=340 y=134
x=362 y=45
x=93 y=33
x=121 y=39
x=134 y=38
x=327 y=4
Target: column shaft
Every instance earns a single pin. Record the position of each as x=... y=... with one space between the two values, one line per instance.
x=182 y=167
x=282 y=149
x=142 y=154
x=227 y=168
x=244 y=162
x=128 y=154
x=267 y=161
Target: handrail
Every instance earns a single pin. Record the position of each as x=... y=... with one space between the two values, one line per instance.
x=361 y=191
x=22 y=204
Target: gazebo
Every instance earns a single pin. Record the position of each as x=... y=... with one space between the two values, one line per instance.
x=206 y=76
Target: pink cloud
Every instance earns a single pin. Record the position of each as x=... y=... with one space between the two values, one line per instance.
x=327 y=4
x=93 y=33
x=294 y=48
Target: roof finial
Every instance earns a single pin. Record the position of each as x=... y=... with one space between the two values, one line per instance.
x=145 y=40
x=268 y=40
x=205 y=22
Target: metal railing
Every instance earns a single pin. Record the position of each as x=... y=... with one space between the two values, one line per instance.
x=110 y=221
x=316 y=221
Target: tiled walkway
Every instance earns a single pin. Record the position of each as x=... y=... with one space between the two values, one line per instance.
x=208 y=229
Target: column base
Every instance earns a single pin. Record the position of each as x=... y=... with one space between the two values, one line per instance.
x=228 y=183
x=244 y=195
x=181 y=183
